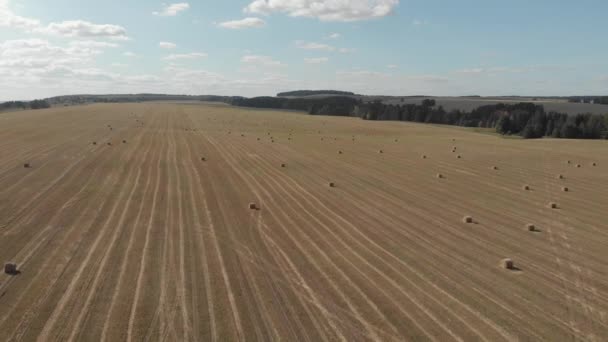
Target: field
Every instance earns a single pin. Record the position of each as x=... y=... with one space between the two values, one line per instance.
x=144 y=240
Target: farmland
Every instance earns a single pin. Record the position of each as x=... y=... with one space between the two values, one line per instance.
x=133 y=222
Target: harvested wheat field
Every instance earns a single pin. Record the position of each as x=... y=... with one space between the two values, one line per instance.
x=154 y=238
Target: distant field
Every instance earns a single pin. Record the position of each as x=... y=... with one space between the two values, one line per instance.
x=145 y=240
x=468 y=104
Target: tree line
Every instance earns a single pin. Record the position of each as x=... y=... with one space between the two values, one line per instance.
x=36 y=104
x=528 y=120
x=589 y=99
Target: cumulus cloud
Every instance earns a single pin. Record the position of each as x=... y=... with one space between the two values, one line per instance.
x=68 y=28
x=191 y=55
x=93 y=44
x=313 y=46
x=316 y=60
x=243 y=23
x=264 y=61
x=325 y=10
x=172 y=10
x=167 y=45
x=81 y=28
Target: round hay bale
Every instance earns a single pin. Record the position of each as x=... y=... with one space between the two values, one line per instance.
x=578 y=165
x=467 y=219
x=332 y=184
x=459 y=156
x=508 y=264
x=283 y=165
x=494 y=167
x=526 y=187
x=593 y=164
x=552 y=205
x=439 y=175
x=253 y=206
x=10 y=268
x=94 y=142
x=242 y=135
x=339 y=152
x=560 y=176
x=568 y=162
x=380 y=151
x=530 y=227
x=124 y=141
x=27 y=165
x=203 y=159
x=565 y=189
x=453 y=151
x=109 y=144
x=423 y=156
x=258 y=139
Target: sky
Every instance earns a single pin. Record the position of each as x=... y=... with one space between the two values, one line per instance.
x=261 y=47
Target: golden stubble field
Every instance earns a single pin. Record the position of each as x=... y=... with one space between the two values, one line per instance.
x=145 y=240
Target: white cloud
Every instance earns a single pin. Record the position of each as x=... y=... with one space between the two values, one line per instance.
x=167 y=45
x=173 y=9
x=264 y=61
x=68 y=28
x=428 y=78
x=81 y=28
x=316 y=60
x=119 y=65
x=334 y=36
x=392 y=66
x=243 y=23
x=92 y=44
x=129 y=54
x=418 y=22
x=346 y=50
x=327 y=10
x=313 y=46
x=191 y=55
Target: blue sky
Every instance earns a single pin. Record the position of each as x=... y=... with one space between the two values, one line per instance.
x=260 y=47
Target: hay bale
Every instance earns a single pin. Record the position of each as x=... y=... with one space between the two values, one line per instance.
x=494 y=167
x=124 y=141
x=593 y=164
x=283 y=165
x=339 y=152
x=380 y=151
x=439 y=175
x=578 y=165
x=109 y=144
x=332 y=184
x=531 y=227
x=508 y=264
x=560 y=176
x=10 y=268
x=258 y=139
x=203 y=159
x=253 y=206
x=94 y=142
x=423 y=156
x=552 y=205
x=565 y=189
x=27 y=165
x=569 y=162
x=467 y=219
x=526 y=187
x=459 y=156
